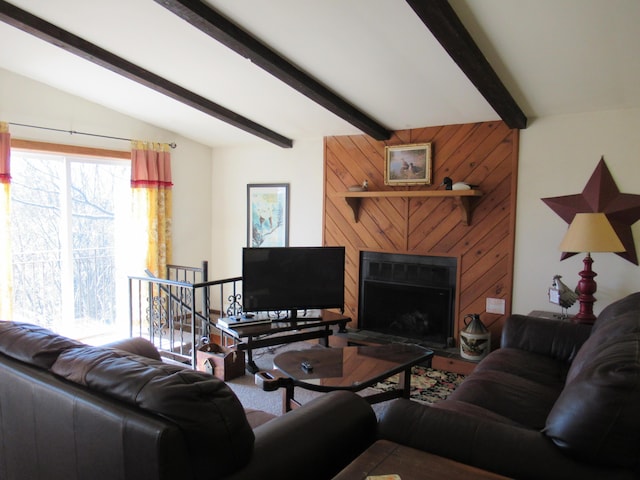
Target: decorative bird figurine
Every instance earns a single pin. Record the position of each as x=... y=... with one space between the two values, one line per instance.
x=360 y=188
x=449 y=185
x=566 y=296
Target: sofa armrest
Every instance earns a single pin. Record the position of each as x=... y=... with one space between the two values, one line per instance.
x=314 y=441
x=506 y=449
x=558 y=339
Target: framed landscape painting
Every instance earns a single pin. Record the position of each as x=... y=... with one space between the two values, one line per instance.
x=408 y=164
x=268 y=215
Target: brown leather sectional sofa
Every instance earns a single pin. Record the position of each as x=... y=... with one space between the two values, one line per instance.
x=557 y=400
x=70 y=411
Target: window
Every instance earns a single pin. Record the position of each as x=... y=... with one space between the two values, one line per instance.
x=70 y=218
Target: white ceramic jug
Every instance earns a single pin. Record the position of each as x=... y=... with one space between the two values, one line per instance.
x=475 y=339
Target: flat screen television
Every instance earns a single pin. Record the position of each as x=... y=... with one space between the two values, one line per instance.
x=281 y=279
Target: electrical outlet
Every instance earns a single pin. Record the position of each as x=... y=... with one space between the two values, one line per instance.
x=496 y=305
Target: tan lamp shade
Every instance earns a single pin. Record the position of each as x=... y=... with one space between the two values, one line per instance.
x=591 y=232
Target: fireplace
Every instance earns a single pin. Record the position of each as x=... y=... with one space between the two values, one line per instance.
x=408 y=296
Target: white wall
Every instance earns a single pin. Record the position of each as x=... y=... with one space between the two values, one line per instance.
x=28 y=102
x=233 y=168
x=557 y=157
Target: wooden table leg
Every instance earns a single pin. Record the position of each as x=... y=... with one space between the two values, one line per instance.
x=404 y=383
x=251 y=365
x=288 y=402
x=324 y=340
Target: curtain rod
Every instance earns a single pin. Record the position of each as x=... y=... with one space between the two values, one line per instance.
x=74 y=132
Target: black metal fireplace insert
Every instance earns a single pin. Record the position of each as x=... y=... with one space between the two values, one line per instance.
x=408 y=296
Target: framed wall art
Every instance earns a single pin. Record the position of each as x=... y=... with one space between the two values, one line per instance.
x=268 y=215
x=408 y=164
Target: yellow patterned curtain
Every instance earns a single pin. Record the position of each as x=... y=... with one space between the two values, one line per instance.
x=152 y=204
x=6 y=264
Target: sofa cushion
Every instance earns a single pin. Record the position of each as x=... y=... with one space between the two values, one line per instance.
x=33 y=344
x=547 y=337
x=205 y=408
x=519 y=399
x=623 y=326
x=596 y=418
x=472 y=410
x=532 y=366
x=612 y=313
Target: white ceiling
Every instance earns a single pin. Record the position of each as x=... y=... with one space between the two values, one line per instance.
x=554 y=57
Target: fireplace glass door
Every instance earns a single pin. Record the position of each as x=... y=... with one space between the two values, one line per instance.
x=408 y=296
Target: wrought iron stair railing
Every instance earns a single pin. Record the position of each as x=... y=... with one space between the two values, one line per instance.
x=175 y=313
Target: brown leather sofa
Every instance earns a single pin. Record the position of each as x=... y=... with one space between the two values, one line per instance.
x=557 y=401
x=70 y=411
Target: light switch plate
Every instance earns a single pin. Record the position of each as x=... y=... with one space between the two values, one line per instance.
x=496 y=305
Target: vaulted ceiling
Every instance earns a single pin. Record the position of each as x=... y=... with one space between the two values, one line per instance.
x=227 y=73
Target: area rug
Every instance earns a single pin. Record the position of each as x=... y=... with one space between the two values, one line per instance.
x=427 y=385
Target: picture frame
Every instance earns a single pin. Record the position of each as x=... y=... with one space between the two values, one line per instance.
x=408 y=164
x=268 y=215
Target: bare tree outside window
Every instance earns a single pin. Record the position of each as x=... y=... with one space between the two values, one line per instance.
x=67 y=216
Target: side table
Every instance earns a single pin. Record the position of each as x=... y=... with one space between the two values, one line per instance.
x=548 y=315
x=385 y=458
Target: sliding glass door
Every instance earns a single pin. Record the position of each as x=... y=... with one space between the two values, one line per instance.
x=70 y=218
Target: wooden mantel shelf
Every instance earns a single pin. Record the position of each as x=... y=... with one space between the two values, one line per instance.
x=463 y=198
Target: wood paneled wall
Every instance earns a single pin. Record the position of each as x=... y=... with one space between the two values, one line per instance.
x=485 y=154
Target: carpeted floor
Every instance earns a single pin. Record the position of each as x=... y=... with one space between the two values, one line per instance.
x=427 y=385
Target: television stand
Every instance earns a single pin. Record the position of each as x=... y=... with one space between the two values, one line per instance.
x=282 y=331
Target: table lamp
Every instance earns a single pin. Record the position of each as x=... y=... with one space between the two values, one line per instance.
x=589 y=232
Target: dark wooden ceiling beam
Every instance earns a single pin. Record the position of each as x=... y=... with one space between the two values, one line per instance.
x=48 y=32
x=212 y=23
x=444 y=24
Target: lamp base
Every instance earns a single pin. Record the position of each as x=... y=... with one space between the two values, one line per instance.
x=585 y=290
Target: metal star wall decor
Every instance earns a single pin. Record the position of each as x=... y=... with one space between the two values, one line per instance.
x=601 y=195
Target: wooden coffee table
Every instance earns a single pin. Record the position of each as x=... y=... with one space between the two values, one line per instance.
x=347 y=368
